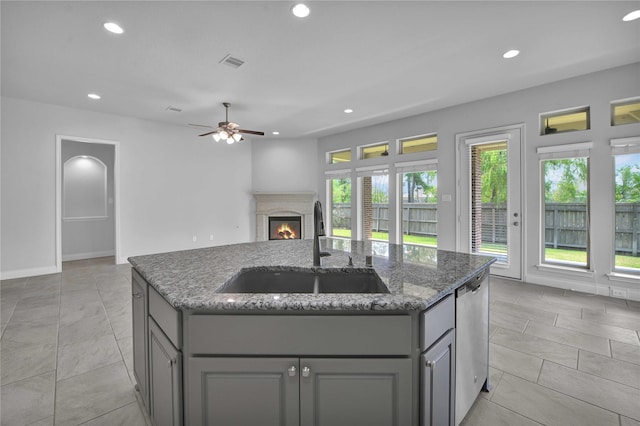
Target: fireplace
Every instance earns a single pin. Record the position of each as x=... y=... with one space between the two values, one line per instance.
x=285 y=227
x=285 y=205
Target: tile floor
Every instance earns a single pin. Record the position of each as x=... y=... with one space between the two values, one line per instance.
x=557 y=357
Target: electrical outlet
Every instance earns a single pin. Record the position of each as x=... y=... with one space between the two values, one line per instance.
x=195 y=238
x=619 y=292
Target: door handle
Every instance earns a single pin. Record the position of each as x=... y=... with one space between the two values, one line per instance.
x=516 y=223
x=306 y=371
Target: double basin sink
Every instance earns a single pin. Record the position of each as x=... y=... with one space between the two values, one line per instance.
x=261 y=280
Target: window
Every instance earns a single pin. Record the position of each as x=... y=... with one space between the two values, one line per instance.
x=565 y=121
x=627 y=205
x=419 y=204
x=418 y=144
x=374 y=202
x=340 y=156
x=374 y=151
x=625 y=112
x=339 y=189
x=566 y=222
x=489 y=191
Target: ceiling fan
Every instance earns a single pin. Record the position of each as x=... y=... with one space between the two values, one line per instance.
x=227 y=130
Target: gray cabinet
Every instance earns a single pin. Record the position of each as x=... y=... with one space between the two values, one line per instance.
x=165 y=379
x=437 y=364
x=299 y=391
x=243 y=391
x=355 y=392
x=438 y=382
x=139 y=310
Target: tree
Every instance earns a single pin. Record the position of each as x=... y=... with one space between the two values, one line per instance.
x=566 y=180
x=341 y=190
x=494 y=175
x=628 y=184
x=425 y=181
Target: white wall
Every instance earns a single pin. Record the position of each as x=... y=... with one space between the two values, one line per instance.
x=173 y=184
x=596 y=90
x=284 y=165
x=85 y=239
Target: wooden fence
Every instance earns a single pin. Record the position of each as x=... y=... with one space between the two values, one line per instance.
x=565 y=223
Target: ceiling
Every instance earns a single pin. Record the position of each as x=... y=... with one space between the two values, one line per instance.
x=384 y=59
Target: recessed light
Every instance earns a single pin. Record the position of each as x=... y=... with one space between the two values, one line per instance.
x=511 y=54
x=348 y=111
x=300 y=10
x=112 y=27
x=93 y=96
x=631 y=16
x=275 y=133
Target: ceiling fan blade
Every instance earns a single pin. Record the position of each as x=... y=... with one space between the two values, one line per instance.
x=250 y=132
x=209 y=133
x=200 y=125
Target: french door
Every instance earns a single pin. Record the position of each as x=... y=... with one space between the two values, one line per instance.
x=490 y=197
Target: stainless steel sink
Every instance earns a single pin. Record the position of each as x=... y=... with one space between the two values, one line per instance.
x=300 y=281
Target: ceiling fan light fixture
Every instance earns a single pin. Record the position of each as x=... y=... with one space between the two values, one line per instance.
x=216 y=137
x=224 y=135
x=300 y=10
x=236 y=137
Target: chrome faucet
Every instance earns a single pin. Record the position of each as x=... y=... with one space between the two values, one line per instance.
x=318 y=231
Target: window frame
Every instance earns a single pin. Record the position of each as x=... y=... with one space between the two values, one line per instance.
x=560 y=152
x=400 y=143
x=622 y=102
x=620 y=146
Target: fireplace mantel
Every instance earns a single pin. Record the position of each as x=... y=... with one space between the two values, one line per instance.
x=284 y=204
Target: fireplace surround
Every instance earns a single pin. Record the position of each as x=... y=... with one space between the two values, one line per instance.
x=284 y=205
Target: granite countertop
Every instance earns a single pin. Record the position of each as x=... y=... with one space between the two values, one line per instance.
x=416 y=276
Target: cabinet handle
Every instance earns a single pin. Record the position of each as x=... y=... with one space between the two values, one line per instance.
x=292 y=371
x=306 y=371
x=171 y=362
x=137 y=295
x=431 y=364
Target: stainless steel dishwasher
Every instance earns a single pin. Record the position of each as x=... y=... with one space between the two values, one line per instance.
x=472 y=342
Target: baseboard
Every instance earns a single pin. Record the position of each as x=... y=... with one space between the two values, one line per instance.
x=82 y=256
x=590 y=288
x=32 y=272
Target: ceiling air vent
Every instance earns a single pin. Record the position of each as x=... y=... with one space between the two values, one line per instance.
x=232 y=61
x=174 y=109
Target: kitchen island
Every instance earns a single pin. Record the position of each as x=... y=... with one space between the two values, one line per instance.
x=205 y=356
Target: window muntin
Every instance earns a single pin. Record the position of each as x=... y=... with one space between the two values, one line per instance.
x=565 y=183
x=565 y=121
x=374 y=151
x=340 y=206
x=418 y=144
x=625 y=112
x=627 y=213
x=420 y=208
x=340 y=156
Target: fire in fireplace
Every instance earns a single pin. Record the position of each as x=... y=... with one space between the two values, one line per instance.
x=285 y=227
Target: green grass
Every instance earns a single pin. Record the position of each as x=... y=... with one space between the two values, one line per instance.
x=559 y=255
x=384 y=236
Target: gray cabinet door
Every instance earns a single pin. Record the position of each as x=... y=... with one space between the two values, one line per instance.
x=243 y=391
x=438 y=382
x=140 y=342
x=355 y=392
x=165 y=379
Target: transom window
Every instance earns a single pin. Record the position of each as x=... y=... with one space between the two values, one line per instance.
x=565 y=121
x=343 y=156
x=374 y=151
x=625 y=112
x=418 y=144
